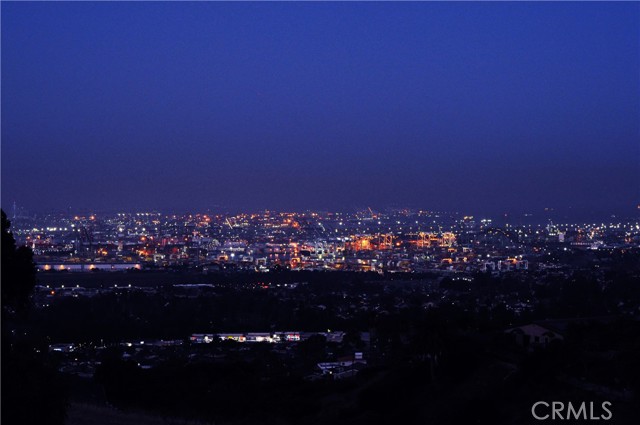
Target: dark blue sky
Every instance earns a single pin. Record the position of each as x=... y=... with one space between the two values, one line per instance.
x=473 y=106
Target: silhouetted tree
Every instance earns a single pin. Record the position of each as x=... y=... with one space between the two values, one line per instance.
x=31 y=390
x=18 y=271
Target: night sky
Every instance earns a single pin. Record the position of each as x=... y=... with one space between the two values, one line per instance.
x=187 y=106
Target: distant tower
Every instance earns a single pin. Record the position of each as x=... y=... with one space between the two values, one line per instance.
x=15 y=208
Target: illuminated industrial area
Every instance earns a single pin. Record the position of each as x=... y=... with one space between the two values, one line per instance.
x=368 y=241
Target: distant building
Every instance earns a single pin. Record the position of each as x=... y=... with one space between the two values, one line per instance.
x=534 y=335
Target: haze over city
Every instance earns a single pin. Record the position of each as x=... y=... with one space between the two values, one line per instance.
x=477 y=107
